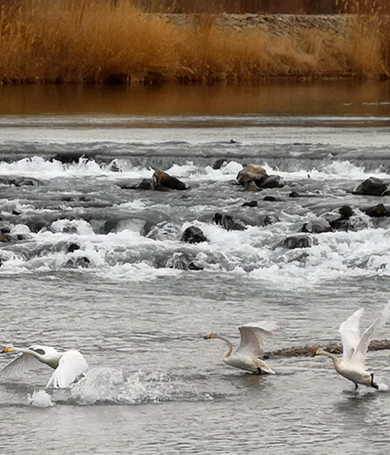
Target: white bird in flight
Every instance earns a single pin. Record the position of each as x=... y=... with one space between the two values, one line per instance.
x=248 y=355
x=68 y=365
x=352 y=365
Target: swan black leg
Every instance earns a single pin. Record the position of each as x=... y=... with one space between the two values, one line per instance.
x=374 y=384
x=259 y=370
x=356 y=387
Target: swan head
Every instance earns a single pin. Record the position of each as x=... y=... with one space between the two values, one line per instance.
x=7 y=349
x=319 y=351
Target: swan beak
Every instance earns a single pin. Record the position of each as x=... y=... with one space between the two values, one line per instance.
x=5 y=350
x=207 y=337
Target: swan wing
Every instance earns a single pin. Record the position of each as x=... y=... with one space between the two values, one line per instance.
x=71 y=365
x=350 y=334
x=359 y=354
x=253 y=337
x=18 y=366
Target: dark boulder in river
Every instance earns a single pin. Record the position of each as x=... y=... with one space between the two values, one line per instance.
x=297 y=241
x=251 y=173
x=228 y=223
x=193 y=234
x=68 y=158
x=219 y=163
x=342 y=223
x=371 y=187
x=255 y=174
x=272 y=181
x=162 y=179
x=377 y=211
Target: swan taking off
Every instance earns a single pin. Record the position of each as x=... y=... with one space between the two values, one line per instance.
x=68 y=365
x=247 y=356
x=352 y=364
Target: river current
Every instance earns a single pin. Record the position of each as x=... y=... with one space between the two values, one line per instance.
x=90 y=264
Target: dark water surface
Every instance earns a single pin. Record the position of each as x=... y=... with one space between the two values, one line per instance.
x=278 y=98
x=93 y=266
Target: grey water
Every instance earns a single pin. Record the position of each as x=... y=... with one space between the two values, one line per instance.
x=97 y=267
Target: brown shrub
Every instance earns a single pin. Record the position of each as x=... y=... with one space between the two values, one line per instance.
x=94 y=41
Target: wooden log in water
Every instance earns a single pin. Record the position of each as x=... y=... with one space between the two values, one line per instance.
x=310 y=349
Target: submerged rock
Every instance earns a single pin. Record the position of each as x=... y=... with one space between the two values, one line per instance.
x=342 y=223
x=228 y=223
x=250 y=204
x=20 y=181
x=183 y=261
x=272 y=181
x=297 y=241
x=317 y=226
x=145 y=184
x=77 y=262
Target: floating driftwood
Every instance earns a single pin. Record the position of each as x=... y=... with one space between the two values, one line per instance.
x=335 y=348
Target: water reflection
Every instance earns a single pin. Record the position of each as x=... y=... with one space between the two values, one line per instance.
x=271 y=98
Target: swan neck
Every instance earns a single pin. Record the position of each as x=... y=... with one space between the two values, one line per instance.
x=228 y=342
x=332 y=356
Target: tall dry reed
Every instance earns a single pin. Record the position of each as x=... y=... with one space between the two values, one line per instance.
x=94 y=41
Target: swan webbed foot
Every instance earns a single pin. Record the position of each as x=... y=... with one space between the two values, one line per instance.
x=356 y=387
x=259 y=371
x=374 y=384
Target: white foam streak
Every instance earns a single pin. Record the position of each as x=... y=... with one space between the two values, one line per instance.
x=40 y=168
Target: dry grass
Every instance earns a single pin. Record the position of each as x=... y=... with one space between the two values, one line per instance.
x=94 y=41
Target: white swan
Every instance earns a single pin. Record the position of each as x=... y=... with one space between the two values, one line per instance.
x=352 y=364
x=68 y=365
x=247 y=356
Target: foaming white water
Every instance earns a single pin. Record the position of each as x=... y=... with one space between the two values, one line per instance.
x=43 y=169
x=40 y=399
x=256 y=251
x=109 y=385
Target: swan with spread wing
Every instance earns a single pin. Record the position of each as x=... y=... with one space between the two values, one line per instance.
x=248 y=355
x=352 y=365
x=67 y=365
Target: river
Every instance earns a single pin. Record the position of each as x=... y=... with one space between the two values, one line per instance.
x=93 y=265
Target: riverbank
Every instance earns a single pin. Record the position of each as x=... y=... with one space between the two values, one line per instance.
x=273 y=24
x=95 y=43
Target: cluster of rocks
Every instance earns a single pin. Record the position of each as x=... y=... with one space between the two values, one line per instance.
x=255 y=178
x=160 y=181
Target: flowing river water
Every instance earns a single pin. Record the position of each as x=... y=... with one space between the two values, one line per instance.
x=93 y=265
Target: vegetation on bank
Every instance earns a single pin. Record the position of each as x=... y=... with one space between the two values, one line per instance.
x=97 y=41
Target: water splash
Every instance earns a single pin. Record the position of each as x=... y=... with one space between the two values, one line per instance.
x=383 y=387
x=109 y=385
x=40 y=399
